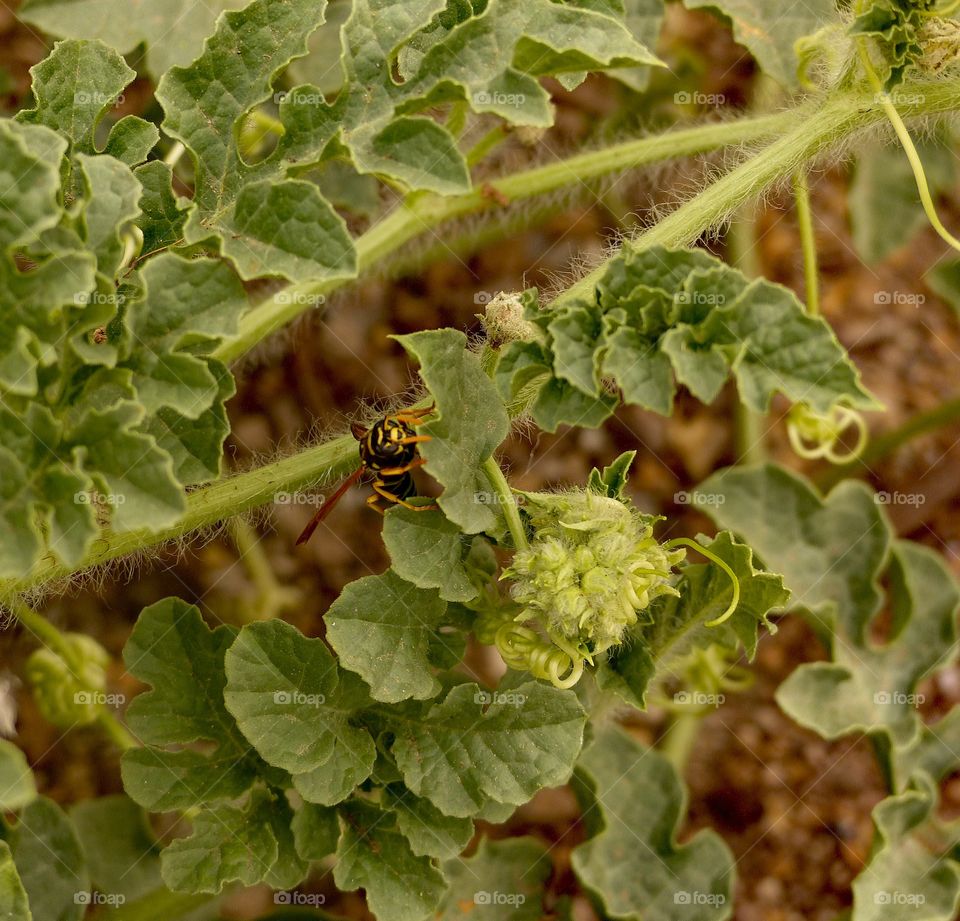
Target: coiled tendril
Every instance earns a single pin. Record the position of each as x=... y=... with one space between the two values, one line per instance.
x=814 y=435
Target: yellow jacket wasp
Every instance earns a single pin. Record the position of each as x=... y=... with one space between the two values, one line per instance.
x=389 y=450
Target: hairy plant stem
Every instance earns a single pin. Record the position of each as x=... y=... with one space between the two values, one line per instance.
x=818 y=130
x=815 y=129
x=808 y=243
x=207 y=507
x=742 y=252
x=508 y=503
x=678 y=740
x=422 y=213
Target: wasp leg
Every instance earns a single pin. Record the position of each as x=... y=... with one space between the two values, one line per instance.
x=393 y=497
x=414 y=416
x=372 y=502
x=415 y=439
x=396 y=471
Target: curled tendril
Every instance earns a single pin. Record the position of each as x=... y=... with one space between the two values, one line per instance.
x=814 y=435
x=710 y=555
x=523 y=648
x=710 y=671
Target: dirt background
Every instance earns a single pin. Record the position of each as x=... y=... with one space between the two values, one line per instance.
x=794 y=809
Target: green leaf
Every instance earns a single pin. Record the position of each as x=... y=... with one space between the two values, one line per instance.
x=74 y=87
x=429 y=832
x=643 y=373
x=161 y=218
x=612 y=481
x=426 y=549
x=661 y=313
x=287 y=229
x=295 y=707
x=113 y=192
x=173 y=30
x=172 y=649
x=399 y=885
x=906 y=879
x=227 y=845
x=830 y=551
x=677 y=624
x=13 y=899
x=502 y=881
x=315 y=831
x=871 y=688
x=188 y=301
x=50 y=862
x=267 y=227
x=128 y=466
x=770 y=33
x=885 y=209
x=381 y=627
x=460 y=756
x=120 y=848
x=468 y=425
x=17 y=788
x=632 y=862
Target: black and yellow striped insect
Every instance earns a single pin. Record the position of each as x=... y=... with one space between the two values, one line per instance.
x=389 y=449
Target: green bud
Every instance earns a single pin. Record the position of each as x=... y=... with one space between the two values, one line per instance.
x=68 y=695
x=591 y=569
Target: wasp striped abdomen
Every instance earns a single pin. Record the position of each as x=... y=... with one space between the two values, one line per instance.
x=389 y=450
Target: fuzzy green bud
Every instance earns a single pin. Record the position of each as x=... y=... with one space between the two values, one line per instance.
x=591 y=569
x=68 y=694
x=504 y=321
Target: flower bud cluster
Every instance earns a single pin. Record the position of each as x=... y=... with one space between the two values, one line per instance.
x=591 y=569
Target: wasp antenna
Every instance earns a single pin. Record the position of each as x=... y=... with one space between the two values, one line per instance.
x=327 y=506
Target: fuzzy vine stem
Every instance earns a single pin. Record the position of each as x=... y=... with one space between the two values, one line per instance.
x=813 y=131
x=742 y=252
x=819 y=130
x=808 y=244
x=425 y=212
x=679 y=738
x=508 y=503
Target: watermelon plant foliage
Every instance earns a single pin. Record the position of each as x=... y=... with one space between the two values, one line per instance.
x=286 y=148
